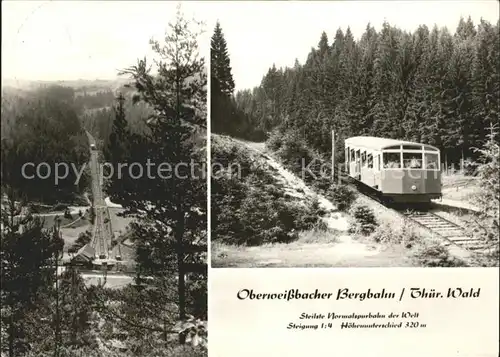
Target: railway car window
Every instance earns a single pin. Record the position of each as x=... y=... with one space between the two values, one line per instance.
x=412 y=160
x=370 y=161
x=431 y=161
x=395 y=147
x=353 y=157
x=392 y=160
x=363 y=158
x=412 y=147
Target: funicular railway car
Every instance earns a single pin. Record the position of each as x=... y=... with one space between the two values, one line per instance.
x=394 y=170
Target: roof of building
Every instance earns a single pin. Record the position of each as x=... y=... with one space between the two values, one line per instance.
x=86 y=253
x=374 y=143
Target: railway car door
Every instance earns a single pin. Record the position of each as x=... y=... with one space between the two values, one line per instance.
x=357 y=172
x=370 y=172
x=352 y=162
x=376 y=170
x=347 y=160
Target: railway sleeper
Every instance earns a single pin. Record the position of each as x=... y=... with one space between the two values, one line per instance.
x=454 y=235
x=429 y=219
x=464 y=239
x=448 y=231
x=444 y=228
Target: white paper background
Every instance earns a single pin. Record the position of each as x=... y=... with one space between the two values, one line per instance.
x=455 y=327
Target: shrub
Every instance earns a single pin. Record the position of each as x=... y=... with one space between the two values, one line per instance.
x=33 y=208
x=274 y=142
x=436 y=255
x=253 y=209
x=67 y=214
x=342 y=196
x=323 y=184
x=403 y=234
x=296 y=155
x=83 y=238
x=364 y=221
x=490 y=259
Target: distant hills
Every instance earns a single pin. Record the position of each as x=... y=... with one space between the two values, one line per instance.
x=78 y=84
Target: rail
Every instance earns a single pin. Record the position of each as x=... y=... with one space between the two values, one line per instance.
x=423 y=216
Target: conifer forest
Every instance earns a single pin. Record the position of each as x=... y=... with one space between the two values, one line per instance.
x=434 y=85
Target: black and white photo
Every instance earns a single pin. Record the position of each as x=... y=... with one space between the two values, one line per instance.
x=104 y=182
x=355 y=134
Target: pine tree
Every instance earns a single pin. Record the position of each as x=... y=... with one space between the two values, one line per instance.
x=75 y=308
x=119 y=132
x=220 y=64
x=385 y=82
x=488 y=199
x=171 y=207
x=486 y=77
x=117 y=149
x=27 y=271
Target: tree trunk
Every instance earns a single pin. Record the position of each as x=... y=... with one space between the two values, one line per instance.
x=165 y=333
x=57 y=331
x=180 y=267
x=11 y=335
x=446 y=163
x=463 y=163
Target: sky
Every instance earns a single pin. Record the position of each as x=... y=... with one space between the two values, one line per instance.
x=56 y=40
x=52 y=40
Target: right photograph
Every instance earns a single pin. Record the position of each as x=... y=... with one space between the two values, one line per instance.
x=370 y=141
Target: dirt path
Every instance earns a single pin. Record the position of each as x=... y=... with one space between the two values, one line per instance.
x=324 y=249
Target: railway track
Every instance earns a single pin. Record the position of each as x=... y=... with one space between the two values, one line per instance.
x=425 y=217
x=103 y=233
x=450 y=231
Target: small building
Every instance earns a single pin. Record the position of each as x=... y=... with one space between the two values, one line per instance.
x=85 y=255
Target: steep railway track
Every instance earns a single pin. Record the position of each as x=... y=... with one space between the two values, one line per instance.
x=444 y=228
x=103 y=233
x=424 y=216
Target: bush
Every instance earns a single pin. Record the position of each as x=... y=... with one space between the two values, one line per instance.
x=342 y=196
x=67 y=214
x=296 y=155
x=83 y=238
x=490 y=258
x=436 y=255
x=274 y=142
x=323 y=184
x=33 y=208
x=253 y=209
x=403 y=234
x=364 y=221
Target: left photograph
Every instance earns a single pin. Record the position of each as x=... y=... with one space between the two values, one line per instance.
x=103 y=179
